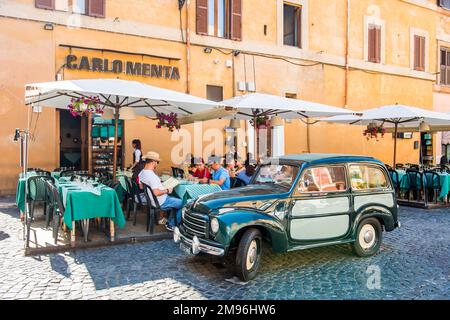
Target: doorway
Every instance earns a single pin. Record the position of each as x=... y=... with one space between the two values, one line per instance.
x=72 y=149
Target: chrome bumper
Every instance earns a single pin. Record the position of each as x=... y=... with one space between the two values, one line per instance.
x=195 y=245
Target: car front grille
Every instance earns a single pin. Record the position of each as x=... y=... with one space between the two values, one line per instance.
x=195 y=224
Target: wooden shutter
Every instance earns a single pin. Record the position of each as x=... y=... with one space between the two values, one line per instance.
x=377 y=45
x=202 y=17
x=45 y=4
x=419 y=53
x=422 y=53
x=298 y=17
x=95 y=8
x=371 y=44
x=236 y=20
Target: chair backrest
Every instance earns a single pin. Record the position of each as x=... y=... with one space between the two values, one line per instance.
x=394 y=176
x=135 y=192
x=49 y=190
x=415 y=178
x=152 y=200
x=176 y=172
x=43 y=173
x=399 y=166
x=57 y=197
x=67 y=173
x=433 y=180
x=37 y=189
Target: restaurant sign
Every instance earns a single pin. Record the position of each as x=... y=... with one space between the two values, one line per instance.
x=119 y=66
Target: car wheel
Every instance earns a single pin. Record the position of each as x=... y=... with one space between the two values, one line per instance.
x=368 y=238
x=248 y=255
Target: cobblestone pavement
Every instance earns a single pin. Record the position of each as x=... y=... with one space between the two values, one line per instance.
x=414 y=263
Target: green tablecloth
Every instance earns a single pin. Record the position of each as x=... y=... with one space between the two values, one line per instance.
x=56 y=175
x=20 y=194
x=444 y=181
x=80 y=205
x=193 y=191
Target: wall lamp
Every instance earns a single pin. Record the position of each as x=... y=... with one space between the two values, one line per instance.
x=236 y=53
x=48 y=26
x=207 y=50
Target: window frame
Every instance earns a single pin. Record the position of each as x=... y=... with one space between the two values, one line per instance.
x=389 y=187
x=322 y=193
x=299 y=40
x=227 y=20
x=424 y=34
x=445 y=66
x=371 y=20
x=441 y=5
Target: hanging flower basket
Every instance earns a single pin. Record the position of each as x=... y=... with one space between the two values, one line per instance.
x=169 y=121
x=84 y=106
x=261 y=122
x=373 y=130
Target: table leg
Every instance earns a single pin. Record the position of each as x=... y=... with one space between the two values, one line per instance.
x=72 y=235
x=111 y=230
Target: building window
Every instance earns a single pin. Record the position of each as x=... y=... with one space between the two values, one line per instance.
x=93 y=8
x=220 y=18
x=214 y=93
x=419 y=53
x=292 y=25
x=374 y=43
x=445 y=66
x=444 y=4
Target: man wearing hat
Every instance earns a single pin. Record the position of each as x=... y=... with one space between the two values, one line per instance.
x=149 y=177
x=220 y=176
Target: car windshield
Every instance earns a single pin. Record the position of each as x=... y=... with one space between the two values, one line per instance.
x=282 y=175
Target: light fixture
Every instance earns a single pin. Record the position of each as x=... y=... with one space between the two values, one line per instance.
x=207 y=50
x=236 y=53
x=48 y=26
x=127 y=113
x=108 y=114
x=276 y=121
x=235 y=124
x=424 y=127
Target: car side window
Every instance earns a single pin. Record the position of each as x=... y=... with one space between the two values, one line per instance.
x=365 y=177
x=323 y=179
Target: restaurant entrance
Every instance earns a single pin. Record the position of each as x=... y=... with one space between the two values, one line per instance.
x=72 y=141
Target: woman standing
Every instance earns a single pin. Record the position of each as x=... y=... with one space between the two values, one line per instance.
x=137 y=153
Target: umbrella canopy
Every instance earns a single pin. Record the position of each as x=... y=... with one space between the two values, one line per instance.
x=397 y=117
x=146 y=99
x=254 y=105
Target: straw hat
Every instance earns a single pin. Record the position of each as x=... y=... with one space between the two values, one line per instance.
x=151 y=156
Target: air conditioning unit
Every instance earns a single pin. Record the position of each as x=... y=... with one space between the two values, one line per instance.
x=241 y=86
x=251 y=87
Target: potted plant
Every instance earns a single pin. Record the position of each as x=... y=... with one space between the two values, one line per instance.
x=84 y=105
x=373 y=130
x=170 y=121
x=262 y=122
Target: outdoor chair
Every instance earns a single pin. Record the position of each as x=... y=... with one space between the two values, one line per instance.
x=237 y=183
x=56 y=209
x=177 y=172
x=154 y=209
x=395 y=180
x=433 y=185
x=133 y=198
x=37 y=192
x=399 y=166
x=416 y=185
x=43 y=173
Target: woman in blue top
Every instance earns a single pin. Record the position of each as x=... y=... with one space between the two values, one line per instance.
x=221 y=177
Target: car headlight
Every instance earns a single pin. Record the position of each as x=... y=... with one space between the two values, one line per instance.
x=214 y=225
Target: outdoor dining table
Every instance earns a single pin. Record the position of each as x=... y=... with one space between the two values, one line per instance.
x=189 y=190
x=84 y=202
x=444 y=182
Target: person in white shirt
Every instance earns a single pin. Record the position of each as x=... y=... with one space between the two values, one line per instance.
x=149 y=177
x=137 y=153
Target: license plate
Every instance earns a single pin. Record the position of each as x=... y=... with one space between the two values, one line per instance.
x=185 y=249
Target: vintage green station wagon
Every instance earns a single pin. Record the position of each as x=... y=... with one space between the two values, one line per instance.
x=294 y=202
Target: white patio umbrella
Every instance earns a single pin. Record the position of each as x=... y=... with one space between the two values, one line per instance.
x=397 y=117
x=145 y=100
x=253 y=105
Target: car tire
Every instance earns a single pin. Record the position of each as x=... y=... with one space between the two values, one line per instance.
x=248 y=255
x=369 y=236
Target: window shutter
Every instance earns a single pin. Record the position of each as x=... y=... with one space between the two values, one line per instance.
x=45 y=4
x=371 y=44
x=202 y=17
x=416 y=52
x=377 y=31
x=422 y=54
x=236 y=19
x=96 y=8
x=298 y=14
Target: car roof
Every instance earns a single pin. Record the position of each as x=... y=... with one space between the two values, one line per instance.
x=317 y=158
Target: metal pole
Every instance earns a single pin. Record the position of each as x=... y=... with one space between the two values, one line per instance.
x=116 y=134
x=395 y=144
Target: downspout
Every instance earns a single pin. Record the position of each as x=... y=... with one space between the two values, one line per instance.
x=347 y=41
x=188 y=50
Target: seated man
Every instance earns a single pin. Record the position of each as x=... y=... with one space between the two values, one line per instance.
x=201 y=171
x=220 y=175
x=247 y=174
x=149 y=177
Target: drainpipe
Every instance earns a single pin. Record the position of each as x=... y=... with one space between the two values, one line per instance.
x=347 y=41
x=188 y=50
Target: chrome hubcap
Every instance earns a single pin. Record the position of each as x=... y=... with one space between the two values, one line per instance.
x=367 y=236
x=252 y=254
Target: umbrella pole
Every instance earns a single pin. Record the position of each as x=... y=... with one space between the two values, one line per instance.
x=116 y=134
x=395 y=144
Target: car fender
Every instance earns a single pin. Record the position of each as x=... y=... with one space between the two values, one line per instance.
x=377 y=211
x=234 y=222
